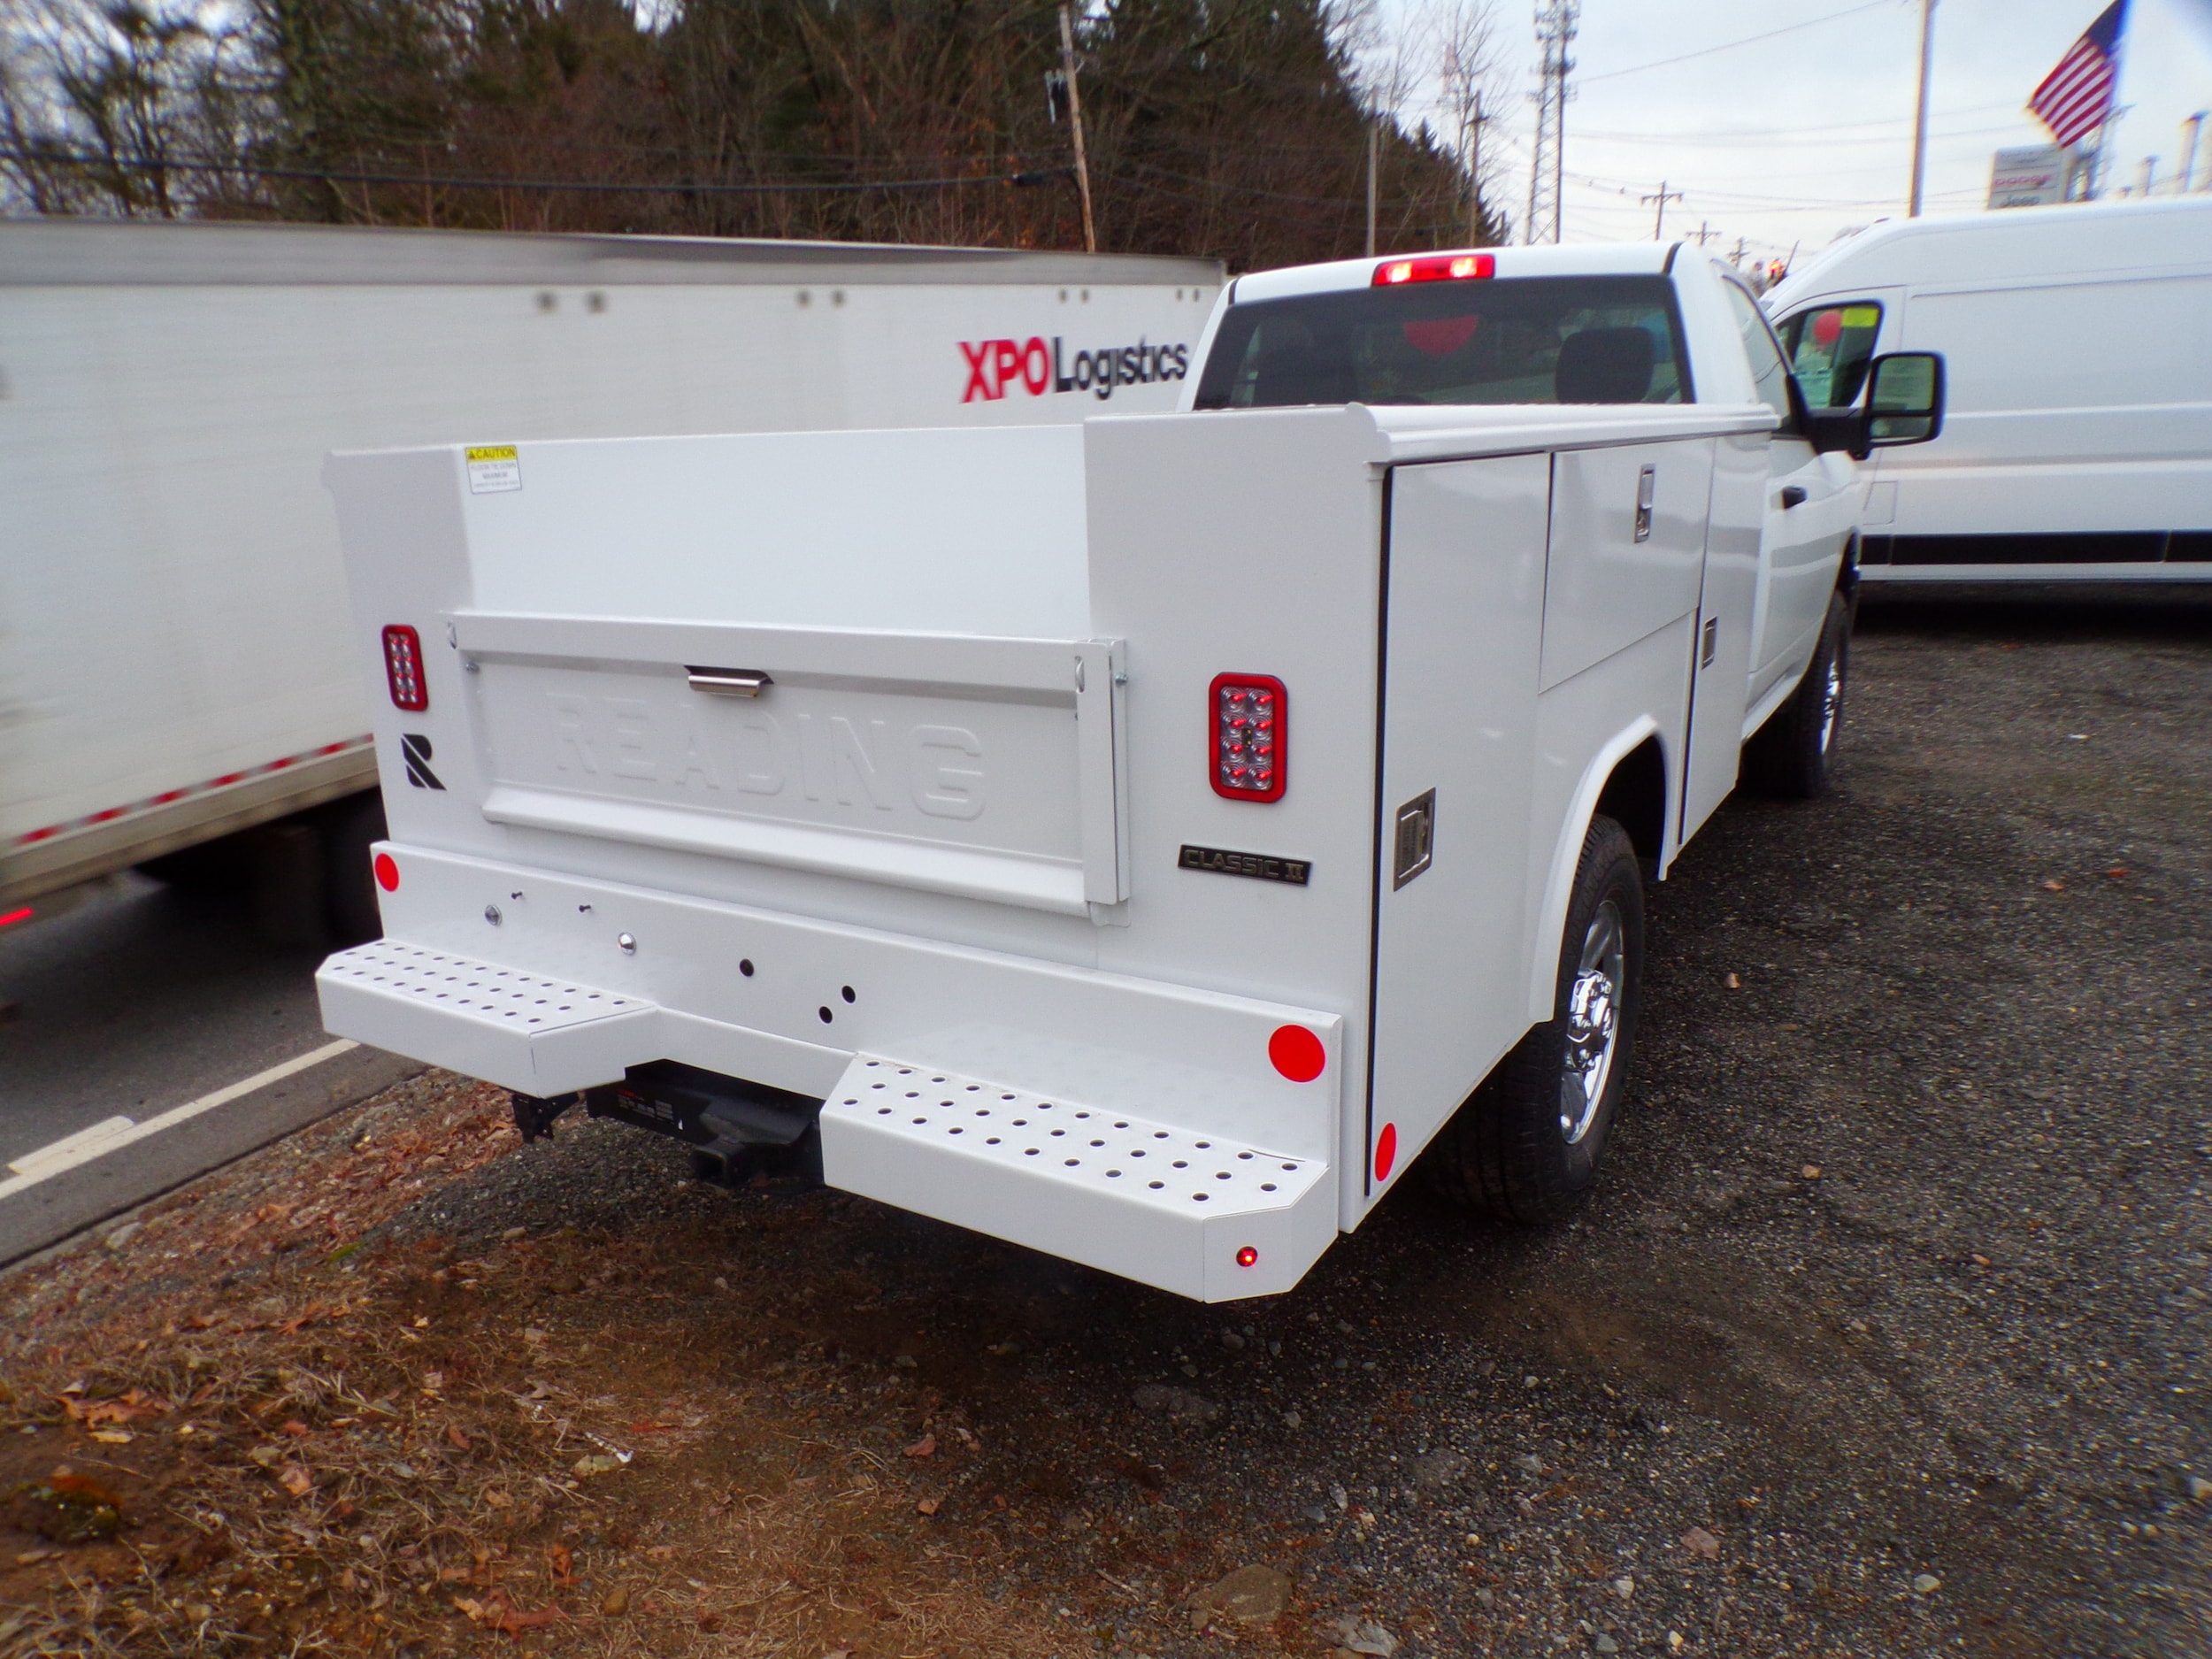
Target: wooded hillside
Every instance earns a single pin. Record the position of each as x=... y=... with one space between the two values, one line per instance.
x=1228 y=128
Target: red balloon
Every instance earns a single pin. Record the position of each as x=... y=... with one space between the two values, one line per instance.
x=1828 y=327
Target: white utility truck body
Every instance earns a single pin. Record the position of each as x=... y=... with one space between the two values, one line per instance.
x=1133 y=841
x=2078 y=441
x=175 y=656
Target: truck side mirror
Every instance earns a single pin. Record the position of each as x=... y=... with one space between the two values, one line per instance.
x=1904 y=398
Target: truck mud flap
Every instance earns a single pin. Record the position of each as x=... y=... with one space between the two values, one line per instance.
x=1185 y=1212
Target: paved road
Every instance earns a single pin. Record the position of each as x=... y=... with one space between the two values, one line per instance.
x=140 y=1000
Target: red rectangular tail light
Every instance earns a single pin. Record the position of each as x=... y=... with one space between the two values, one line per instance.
x=402 y=669
x=1248 y=713
x=1435 y=267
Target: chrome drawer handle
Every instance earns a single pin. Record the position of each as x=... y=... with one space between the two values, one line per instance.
x=729 y=682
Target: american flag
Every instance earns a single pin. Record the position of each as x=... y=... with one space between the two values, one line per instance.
x=2076 y=98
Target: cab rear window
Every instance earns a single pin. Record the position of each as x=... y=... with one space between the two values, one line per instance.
x=1526 y=340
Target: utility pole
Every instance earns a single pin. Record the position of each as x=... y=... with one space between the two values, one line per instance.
x=1659 y=218
x=2193 y=127
x=1558 y=22
x=1705 y=231
x=1474 y=173
x=1075 y=122
x=1736 y=258
x=1920 y=110
x=1374 y=133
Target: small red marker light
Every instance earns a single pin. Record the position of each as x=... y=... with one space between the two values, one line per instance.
x=1386 y=1151
x=1247 y=1257
x=386 y=872
x=13 y=917
x=1437 y=267
x=1297 y=1053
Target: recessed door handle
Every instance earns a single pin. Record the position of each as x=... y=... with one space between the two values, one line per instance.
x=728 y=682
x=1793 y=495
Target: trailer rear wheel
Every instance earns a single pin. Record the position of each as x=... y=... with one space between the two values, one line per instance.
x=1526 y=1145
x=1790 y=755
x=350 y=827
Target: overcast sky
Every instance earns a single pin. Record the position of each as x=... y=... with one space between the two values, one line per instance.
x=1794 y=138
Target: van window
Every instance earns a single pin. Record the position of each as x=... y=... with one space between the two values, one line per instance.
x=1526 y=340
x=1829 y=348
x=1770 y=375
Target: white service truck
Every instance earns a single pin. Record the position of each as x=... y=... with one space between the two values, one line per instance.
x=1138 y=841
x=176 y=676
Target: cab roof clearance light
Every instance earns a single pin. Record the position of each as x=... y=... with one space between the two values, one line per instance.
x=1248 y=714
x=402 y=669
x=1436 y=267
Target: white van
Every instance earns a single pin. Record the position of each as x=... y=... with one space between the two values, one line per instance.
x=2077 y=436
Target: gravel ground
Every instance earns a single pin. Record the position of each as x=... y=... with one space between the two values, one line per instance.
x=1885 y=1335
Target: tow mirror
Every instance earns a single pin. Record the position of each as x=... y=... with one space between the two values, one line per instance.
x=1904 y=399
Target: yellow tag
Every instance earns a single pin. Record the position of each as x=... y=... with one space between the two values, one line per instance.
x=493 y=468
x=1853 y=317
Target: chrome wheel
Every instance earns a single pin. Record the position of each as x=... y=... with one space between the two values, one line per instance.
x=1831 y=702
x=1593 y=1021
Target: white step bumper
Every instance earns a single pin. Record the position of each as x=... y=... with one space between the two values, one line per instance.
x=522 y=1031
x=1185 y=1212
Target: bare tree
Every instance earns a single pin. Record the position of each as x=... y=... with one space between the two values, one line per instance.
x=129 y=107
x=1461 y=38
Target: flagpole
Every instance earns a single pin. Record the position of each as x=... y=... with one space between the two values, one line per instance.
x=1920 y=109
x=2099 y=166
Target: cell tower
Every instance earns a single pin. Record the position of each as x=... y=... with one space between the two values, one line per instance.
x=1555 y=26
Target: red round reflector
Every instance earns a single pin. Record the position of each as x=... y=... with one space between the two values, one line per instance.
x=1386 y=1151
x=1247 y=1257
x=1297 y=1053
x=386 y=872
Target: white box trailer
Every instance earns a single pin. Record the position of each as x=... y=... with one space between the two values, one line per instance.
x=177 y=661
x=1138 y=841
x=2078 y=440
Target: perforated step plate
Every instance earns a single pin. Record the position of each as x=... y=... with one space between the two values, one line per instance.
x=1184 y=1212
x=523 y=1031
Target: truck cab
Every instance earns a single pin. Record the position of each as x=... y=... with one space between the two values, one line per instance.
x=1144 y=841
x=1645 y=324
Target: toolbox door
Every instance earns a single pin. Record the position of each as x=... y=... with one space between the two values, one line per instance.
x=1728 y=599
x=1463 y=597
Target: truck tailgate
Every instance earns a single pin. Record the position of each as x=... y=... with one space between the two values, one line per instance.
x=970 y=764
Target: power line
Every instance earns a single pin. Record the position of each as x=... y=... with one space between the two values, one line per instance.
x=1681 y=141
x=1730 y=46
x=420 y=181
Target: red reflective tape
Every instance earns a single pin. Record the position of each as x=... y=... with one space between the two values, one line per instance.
x=169 y=797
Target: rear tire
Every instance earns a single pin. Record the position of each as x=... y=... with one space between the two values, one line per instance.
x=1793 y=755
x=1526 y=1145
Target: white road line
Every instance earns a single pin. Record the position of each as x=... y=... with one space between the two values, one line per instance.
x=71 y=1145
x=52 y=1160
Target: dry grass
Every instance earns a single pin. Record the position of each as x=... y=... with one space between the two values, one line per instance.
x=328 y=1441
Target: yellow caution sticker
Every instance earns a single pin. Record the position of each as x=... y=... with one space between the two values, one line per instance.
x=493 y=467
x=1853 y=317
